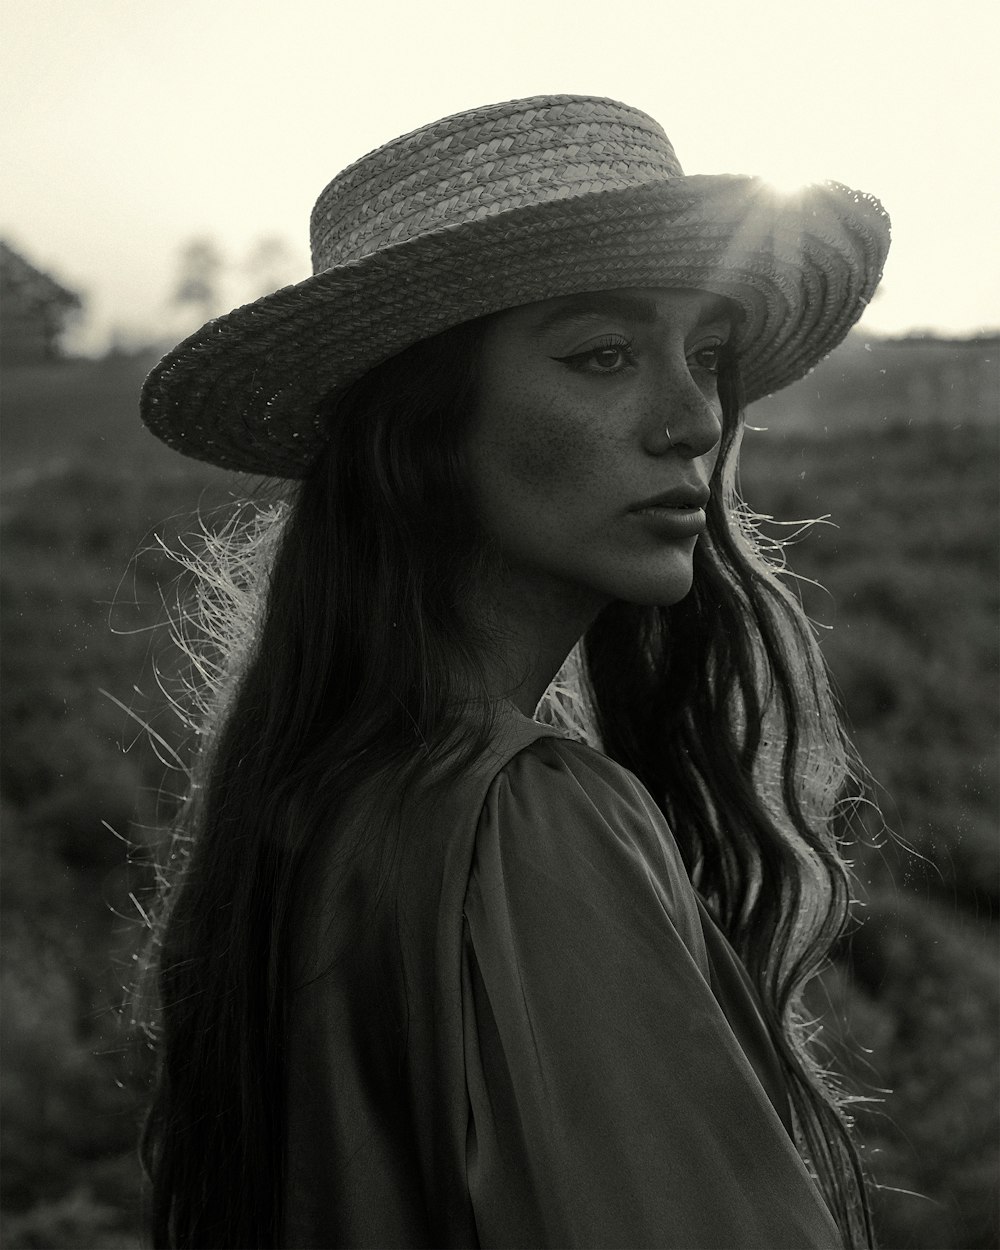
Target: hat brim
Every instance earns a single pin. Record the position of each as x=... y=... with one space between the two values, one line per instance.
x=242 y=391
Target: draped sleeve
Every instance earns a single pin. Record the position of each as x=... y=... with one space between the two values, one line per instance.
x=610 y=1100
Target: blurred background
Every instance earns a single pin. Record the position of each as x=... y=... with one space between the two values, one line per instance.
x=160 y=161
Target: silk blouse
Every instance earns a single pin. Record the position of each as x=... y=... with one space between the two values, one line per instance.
x=545 y=1042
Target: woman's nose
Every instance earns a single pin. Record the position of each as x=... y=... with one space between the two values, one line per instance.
x=687 y=418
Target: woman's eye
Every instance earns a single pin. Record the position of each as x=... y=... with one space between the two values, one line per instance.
x=606 y=358
x=708 y=358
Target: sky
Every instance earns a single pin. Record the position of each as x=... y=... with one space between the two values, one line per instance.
x=130 y=127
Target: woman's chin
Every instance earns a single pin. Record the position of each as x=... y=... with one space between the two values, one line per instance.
x=657 y=579
x=660 y=592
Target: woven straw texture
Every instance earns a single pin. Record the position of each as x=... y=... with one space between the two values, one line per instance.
x=503 y=206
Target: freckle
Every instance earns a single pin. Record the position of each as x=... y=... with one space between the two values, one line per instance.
x=550 y=451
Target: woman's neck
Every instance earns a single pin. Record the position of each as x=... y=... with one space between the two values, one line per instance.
x=531 y=629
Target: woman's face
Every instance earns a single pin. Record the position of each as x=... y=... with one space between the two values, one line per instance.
x=568 y=445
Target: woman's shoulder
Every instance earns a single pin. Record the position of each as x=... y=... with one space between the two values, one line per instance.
x=532 y=803
x=537 y=786
x=557 y=787
x=534 y=776
x=557 y=765
x=562 y=816
x=526 y=761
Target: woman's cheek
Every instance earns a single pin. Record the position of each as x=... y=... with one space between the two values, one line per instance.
x=558 y=453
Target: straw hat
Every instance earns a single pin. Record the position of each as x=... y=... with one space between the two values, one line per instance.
x=501 y=206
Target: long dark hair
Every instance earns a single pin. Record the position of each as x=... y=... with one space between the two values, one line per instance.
x=335 y=649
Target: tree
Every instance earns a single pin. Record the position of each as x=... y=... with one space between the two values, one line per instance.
x=270 y=264
x=201 y=266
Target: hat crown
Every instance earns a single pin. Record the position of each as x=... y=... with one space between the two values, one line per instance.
x=480 y=163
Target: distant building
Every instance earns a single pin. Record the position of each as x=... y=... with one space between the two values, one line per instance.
x=34 y=311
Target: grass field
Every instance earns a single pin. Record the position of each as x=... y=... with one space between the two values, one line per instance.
x=909 y=623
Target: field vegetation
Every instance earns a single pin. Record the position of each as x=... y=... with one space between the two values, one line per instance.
x=908 y=619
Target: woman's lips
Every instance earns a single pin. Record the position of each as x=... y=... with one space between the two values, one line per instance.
x=672 y=520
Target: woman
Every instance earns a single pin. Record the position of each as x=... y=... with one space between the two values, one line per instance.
x=435 y=971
